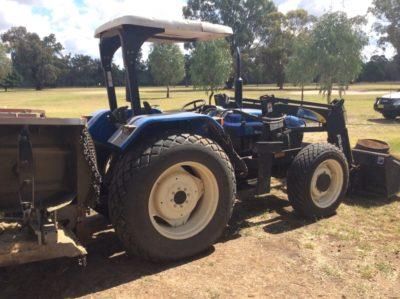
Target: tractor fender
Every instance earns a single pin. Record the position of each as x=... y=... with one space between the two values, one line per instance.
x=100 y=126
x=142 y=126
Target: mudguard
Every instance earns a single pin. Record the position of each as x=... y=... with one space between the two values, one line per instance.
x=100 y=126
x=142 y=125
x=120 y=138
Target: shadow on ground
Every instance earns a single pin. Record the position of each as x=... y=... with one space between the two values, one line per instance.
x=108 y=266
x=283 y=218
x=383 y=121
x=369 y=201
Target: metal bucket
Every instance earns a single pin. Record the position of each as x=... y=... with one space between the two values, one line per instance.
x=375 y=173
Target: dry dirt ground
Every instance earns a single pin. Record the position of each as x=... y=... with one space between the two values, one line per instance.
x=267 y=251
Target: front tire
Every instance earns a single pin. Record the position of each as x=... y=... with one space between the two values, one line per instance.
x=173 y=197
x=390 y=115
x=317 y=180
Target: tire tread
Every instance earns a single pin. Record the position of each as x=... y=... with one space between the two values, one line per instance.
x=140 y=158
x=298 y=175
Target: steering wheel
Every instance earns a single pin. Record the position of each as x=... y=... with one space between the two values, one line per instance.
x=197 y=105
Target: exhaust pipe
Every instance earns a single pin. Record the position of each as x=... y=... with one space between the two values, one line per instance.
x=239 y=80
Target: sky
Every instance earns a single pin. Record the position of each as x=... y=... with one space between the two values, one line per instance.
x=74 y=21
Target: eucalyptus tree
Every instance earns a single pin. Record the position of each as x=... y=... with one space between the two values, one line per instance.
x=5 y=63
x=167 y=64
x=301 y=68
x=388 y=25
x=211 y=65
x=34 y=58
x=337 y=43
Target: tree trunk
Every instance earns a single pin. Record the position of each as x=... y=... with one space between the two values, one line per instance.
x=167 y=91
x=302 y=92
x=329 y=95
x=280 y=84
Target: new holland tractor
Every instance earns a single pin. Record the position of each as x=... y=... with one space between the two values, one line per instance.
x=168 y=180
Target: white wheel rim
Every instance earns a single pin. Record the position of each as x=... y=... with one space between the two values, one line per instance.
x=183 y=200
x=326 y=196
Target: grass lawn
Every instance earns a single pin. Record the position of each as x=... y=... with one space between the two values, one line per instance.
x=363 y=121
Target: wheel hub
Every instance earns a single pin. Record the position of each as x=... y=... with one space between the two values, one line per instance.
x=180 y=197
x=326 y=183
x=183 y=200
x=323 y=182
x=177 y=196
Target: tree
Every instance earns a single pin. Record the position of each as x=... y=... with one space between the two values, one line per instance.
x=301 y=69
x=211 y=65
x=337 y=42
x=379 y=68
x=277 y=42
x=84 y=71
x=188 y=62
x=246 y=17
x=276 y=49
x=252 y=67
x=5 y=63
x=388 y=14
x=167 y=64
x=299 y=21
x=375 y=69
x=34 y=58
x=13 y=79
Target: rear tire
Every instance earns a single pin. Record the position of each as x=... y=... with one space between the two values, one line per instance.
x=317 y=180
x=390 y=115
x=159 y=223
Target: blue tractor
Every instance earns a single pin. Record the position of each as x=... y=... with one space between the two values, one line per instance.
x=170 y=179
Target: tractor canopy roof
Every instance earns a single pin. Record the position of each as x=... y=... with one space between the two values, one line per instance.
x=130 y=32
x=169 y=30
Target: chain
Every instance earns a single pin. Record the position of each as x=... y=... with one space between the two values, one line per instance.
x=89 y=153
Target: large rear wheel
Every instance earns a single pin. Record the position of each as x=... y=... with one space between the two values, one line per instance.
x=317 y=180
x=173 y=197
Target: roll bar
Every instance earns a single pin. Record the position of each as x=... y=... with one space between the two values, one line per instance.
x=130 y=38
